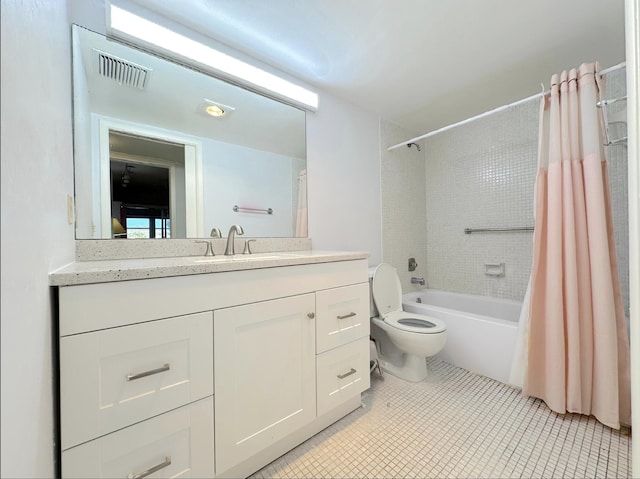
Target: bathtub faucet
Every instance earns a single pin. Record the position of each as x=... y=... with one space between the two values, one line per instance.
x=419 y=280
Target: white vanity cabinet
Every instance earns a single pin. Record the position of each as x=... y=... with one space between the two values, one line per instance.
x=208 y=375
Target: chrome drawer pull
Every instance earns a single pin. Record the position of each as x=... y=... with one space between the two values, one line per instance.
x=131 y=377
x=148 y=472
x=342 y=376
x=350 y=315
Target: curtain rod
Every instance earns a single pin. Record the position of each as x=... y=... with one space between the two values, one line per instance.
x=490 y=112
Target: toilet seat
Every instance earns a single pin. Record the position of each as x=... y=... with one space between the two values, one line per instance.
x=415 y=323
x=387 y=296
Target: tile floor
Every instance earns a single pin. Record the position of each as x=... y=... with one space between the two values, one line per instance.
x=456 y=424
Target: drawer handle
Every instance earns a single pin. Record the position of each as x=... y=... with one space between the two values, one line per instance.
x=349 y=373
x=350 y=315
x=151 y=470
x=132 y=377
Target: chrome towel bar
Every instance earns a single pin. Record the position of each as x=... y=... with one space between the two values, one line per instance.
x=244 y=209
x=496 y=230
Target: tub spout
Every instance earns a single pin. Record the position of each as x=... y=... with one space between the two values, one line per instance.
x=419 y=280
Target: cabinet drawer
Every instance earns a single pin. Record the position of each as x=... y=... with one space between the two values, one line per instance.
x=178 y=443
x=342 y=315
x=342 y=373
x=113 y=378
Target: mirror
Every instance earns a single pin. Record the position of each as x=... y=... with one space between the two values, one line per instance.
x=150 y=162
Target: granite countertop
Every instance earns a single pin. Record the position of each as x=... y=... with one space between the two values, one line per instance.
x=104 y=271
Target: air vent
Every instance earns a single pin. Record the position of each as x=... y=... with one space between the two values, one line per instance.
x=122 y=71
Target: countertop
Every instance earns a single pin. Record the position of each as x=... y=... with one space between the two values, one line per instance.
x=104 y=271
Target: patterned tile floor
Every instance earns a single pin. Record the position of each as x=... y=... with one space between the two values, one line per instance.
x=456 y=424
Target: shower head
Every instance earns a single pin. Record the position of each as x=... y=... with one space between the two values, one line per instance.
x=409 y=145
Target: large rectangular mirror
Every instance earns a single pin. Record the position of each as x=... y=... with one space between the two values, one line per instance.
x=152 y=159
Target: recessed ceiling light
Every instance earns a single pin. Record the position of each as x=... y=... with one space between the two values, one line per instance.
x=214 y=108
x=130 y=26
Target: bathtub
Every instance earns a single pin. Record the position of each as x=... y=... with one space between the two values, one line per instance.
x=481 y=331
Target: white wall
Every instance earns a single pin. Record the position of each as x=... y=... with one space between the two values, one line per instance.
x=236 y=175
x=37 y=176
x=343 y=164
x=36 y=238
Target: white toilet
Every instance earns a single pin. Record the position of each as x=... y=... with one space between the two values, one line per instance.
x=404 y=339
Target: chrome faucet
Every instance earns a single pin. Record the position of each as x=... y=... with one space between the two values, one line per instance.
x=230 y=249
x=419 y=280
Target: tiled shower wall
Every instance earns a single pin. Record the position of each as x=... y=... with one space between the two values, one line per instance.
x=404 y=205
x=480 y=174
x=616 y=87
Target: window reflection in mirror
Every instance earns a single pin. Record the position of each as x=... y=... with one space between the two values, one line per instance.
x=184 y=170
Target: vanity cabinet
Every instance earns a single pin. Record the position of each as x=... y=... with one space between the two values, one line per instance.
x=208 y=375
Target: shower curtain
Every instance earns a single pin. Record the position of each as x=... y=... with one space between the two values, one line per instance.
x=301 y=218
x=577 y=356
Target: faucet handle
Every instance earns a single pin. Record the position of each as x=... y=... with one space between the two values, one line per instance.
x=209 y=251
x=247 y=246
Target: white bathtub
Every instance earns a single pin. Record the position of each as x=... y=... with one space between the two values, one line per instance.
x=481 y=331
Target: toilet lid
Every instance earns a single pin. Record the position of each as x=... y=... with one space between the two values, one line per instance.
x=386 y=289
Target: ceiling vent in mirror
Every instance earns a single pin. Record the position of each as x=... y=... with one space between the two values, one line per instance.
x=122 y=71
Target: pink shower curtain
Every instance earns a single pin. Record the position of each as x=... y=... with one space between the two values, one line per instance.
x=578 y=359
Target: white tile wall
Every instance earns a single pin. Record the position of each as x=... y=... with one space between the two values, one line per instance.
x=482 y=175
x=404 y=211
x=615 y=87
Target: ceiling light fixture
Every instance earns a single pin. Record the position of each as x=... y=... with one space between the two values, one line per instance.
x=214 y=108
x=131 y=25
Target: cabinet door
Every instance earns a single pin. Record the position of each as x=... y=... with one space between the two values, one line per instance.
x=343 y=315
x=265 y=385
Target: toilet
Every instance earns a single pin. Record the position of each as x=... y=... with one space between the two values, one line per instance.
x=404 y=339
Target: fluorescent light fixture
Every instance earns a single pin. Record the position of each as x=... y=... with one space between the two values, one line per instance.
x=133 y=25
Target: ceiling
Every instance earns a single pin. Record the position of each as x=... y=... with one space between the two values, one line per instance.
x=422 y=64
